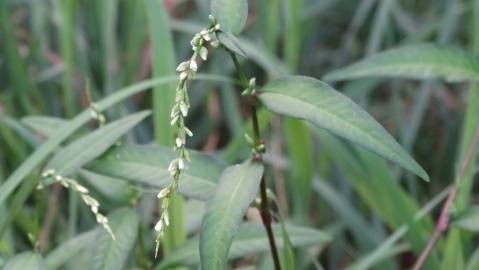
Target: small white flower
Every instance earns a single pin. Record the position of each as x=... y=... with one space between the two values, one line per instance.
x=167 y=219
x=207 y=37
x=175 y=119
x=163 y=193
x=183 y=75
x=179 y=142
x=48 y=173
x=101 y=219
x=204 y=53
x=159 y=226
x=188 y=131
x=181 y=164
x=81 y=188
x=184 y=109
x=172 y=167
x=193 y=65
x=58 y=177
x=217 y=26
x=182 y=66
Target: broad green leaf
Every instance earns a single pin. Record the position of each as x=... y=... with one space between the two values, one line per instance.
x=230 y=14
x=112 y=254
x=469 y=220
x=148 y=165
x=250 y=239
x=25 y=261
x=231 y=43
x=415 y=62
x=453 y=256
x=69 y=249
x=114 y=189
x=90 y=146
x=45 y=125
x=315 y=101
x=236 y=189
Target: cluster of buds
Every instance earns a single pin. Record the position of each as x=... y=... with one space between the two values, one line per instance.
x=179 y=111
x=97 y=115
x=251 y=89
x=86 y=198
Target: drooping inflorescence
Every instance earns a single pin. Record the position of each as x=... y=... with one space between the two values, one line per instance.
x=86 y=198
x=179 y=111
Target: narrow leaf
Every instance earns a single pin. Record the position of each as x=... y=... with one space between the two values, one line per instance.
x=45 y=125
x=231 y=14
x=112 y=254
x=315 y=101
x=69 y=249
x=469 y=220
x=415 y=62
x=236 y=190
x=85 y=149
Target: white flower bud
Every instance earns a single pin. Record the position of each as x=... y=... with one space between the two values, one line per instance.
x=159 y=226
x=181 y=164
x=182 y=66
x=203 y=53
x=193 y=65
x=184 y=109
x=183 y=75
x=188 y=131
x=163 y=193
x=179 y=142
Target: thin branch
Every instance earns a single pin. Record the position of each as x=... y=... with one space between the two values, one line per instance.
x=264 y=207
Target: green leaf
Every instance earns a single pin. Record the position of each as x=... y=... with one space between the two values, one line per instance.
x=469 y=220
x=90 y=146
x=25 y=261
x=148 y=165
x=231 y=43
x=45 y=125
x=114 y=189
x=230 y=14
x=69 y=249
x=236 y=189
x=315 y=101
x=112 y=254
x=249 y=239
x=415 y=62
x=68 y=129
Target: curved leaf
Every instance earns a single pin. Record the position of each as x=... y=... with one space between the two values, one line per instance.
x=415 y=62
x=148 y=165
x=236 y=190
x=69 y=249
x=249 y=239
x=25 y=261
x=112 y=254
x=231 y=43
x=315 y=101
x=230 y=14
x=90 y=146
x=45 y=125
x=469 y=220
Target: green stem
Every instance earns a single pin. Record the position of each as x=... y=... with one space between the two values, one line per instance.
x=264 y=206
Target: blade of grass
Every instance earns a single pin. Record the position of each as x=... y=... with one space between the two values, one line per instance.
x=67 y=49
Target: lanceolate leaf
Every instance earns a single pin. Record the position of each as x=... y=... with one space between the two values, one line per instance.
x=231 y=14
x=45 y=125
x=85 y=149
x=315 y=101
x=25 y=261
x=250 y=239
x=69 y=249
x=231 y=43
x=469 y=220
x=415 y=62
x=236 y=189
x=148 y=165
x=112 y=254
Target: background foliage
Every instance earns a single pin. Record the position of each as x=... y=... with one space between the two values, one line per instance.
x=351 y=209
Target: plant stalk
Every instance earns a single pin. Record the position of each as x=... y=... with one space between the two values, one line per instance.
x=264 y=206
